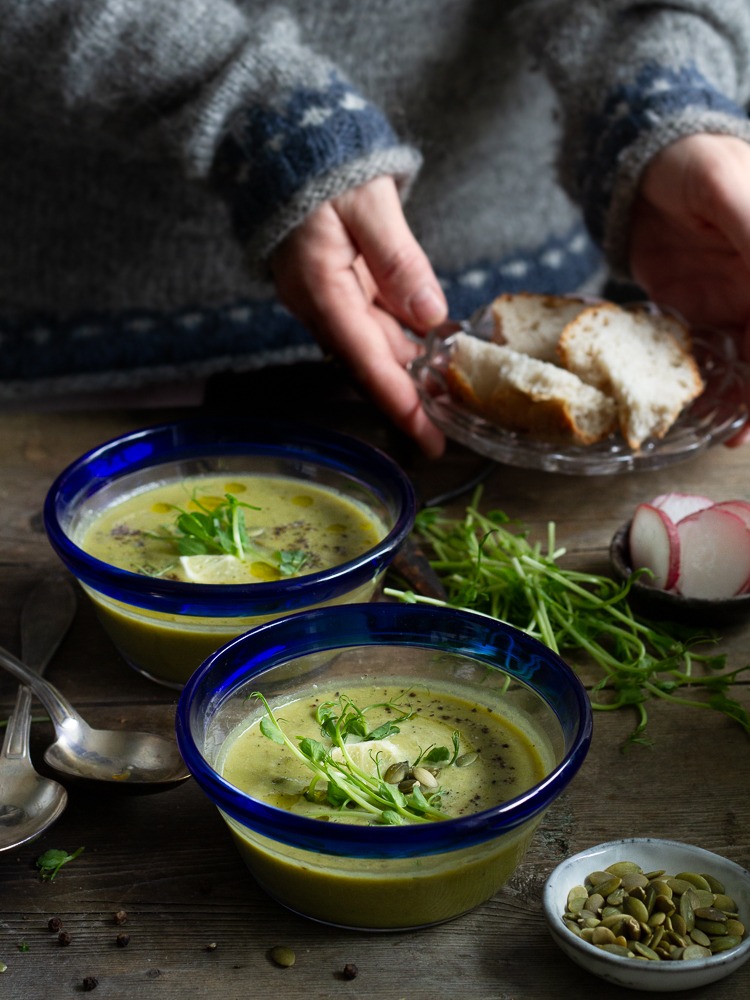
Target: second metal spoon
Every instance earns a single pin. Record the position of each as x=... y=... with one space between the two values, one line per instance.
x=136 y=760
x=30 y=802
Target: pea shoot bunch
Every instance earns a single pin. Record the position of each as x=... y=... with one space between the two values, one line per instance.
x=340 y=782
x=221 y=529
x=488 y=565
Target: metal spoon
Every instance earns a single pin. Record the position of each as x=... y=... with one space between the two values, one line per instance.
x=29 y=802
x=126 y=758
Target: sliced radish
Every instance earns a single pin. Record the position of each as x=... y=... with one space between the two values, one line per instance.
x=714 y=554
x=741 y=508
x=655 y=545
x=679 y=505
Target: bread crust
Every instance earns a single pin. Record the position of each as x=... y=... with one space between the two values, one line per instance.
x=526 y=395
x=643 y=361
x=532 y=323
x=610 y=369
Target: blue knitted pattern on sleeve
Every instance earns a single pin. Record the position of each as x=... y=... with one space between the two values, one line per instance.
x=259 y=331
x=270 y=154
x=657 y=95
x=43 y=347
x=561 y=264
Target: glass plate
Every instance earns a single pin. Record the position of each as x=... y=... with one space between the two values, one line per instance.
x=716 y=415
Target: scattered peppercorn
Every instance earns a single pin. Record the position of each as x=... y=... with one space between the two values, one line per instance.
x=120 y=917
x=90 y=983
x=54 y=924
x=63 y=938
x=122 y=940
x=350 y=971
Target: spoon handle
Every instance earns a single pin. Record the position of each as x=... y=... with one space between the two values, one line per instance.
x=46 y=616
x=60 y=710
x=16 y=742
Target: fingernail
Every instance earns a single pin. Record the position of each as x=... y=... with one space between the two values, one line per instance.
x=427 y=307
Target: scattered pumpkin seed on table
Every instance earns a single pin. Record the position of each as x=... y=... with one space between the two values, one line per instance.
x=653 y=916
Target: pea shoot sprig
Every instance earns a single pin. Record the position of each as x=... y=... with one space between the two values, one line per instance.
x=338 y=780
x=488 y=566
x=50 y=863
x=221 y=529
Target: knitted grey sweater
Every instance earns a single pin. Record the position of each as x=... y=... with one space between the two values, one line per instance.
x=154 y=152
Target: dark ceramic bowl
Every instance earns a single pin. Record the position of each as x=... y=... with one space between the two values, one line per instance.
x=654 y=603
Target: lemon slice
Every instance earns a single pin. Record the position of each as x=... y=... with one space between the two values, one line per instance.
x=215 y=569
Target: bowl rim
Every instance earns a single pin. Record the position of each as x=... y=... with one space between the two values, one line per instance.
x=597 y=960
x=468 y=633
x=170 y=441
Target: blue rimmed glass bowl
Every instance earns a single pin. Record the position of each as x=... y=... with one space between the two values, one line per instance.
x=379 y=877
x=165 y=628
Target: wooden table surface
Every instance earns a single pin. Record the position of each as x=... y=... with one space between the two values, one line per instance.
x=197 y=923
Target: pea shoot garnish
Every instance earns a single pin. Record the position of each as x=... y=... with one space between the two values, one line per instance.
x=401 y=793
x=50 y=863
x=490 y=567
x=220 y=529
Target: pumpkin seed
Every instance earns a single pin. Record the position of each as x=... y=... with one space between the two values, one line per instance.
x=596 y=878
x=698 y=937
x=623 y=868
x=282 y=956
x=678 y=885
x=662 y=887
x=713 y=883
x=609 y=887
x=713 y=928
x=595 y=902
x=724 y=902
x=686 y=910
x=616 y=949
x=396 y=773
x=602 y=935
x=407 y=785
x=652 y=916
x=724 y=943
x=695 y=951
x=635 y=908
x=696 y=880
x=642 y=949
x=425 y=779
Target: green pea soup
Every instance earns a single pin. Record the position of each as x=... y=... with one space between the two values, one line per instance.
x=282 y=514
x=511 y=757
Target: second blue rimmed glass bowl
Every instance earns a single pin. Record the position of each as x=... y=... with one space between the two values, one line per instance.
x=375 y=876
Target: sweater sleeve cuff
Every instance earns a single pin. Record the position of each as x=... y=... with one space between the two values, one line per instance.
x=638 y=119
x=278 y=163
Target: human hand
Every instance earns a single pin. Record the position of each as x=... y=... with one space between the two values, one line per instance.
x=690 y=236
x=353 y=273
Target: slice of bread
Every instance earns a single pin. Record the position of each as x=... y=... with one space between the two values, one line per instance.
x=532 y=323
x=665 y=322
x=644 y=365
x=525 y=394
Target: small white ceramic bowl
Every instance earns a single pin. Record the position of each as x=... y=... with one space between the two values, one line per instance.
x=651 y=854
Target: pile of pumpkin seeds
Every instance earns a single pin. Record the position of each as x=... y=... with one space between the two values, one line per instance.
x=650 y=915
